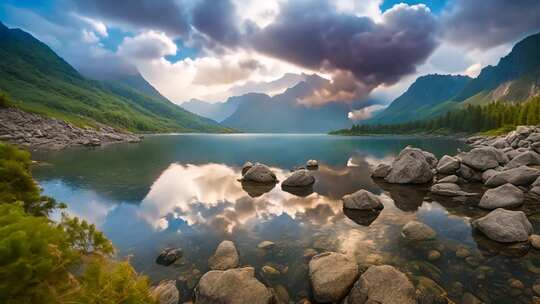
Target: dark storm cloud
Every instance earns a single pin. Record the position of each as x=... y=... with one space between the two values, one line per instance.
x=489 y=23
x=217 y=20
x=166 y=15
x=316 y=36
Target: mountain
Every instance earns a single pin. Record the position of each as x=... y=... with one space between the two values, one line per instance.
x=515 y=78
x=423 y=99
x=217 y=111
x=40 y=81
x=283 y=113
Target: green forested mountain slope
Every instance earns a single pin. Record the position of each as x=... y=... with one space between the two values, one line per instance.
x=40 y=81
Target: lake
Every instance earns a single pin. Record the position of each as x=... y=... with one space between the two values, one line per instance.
x=183 y=191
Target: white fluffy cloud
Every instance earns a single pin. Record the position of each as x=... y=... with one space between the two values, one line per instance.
x=364 y=113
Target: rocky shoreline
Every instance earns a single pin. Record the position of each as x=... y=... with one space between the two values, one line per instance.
x=34 y=131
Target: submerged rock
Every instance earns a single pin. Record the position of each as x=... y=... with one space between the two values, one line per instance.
x=225 y=257
x=165 y=292
x=233 y=286
x=535 y=241
x=362 y=200
x=383 y=285
x=300 y=178
x=505 y=196
x=332 y=274
x=416 y=231
x=448 y=165
x=505 y=226
x=381 y=171
x=259 y=173
x=266 y=245
x=410 y=167
x=448 y=189
x=520 y=176
x=169 y=256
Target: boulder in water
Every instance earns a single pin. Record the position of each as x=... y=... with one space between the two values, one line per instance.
x=300 y=178
x=261 y=174
x=505 y=226
x=165 y=292
x=416 y=231
x=449 y=189
x=312 y=164
x=362 y=200
x=225 y=257
x=332 y=274
x=505 y=196
x=246 y=167
x=169 y=256
x=410 y=167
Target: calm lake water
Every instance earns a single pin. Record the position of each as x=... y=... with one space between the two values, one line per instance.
x=182 y=191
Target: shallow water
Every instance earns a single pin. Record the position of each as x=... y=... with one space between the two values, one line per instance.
x=182 y=191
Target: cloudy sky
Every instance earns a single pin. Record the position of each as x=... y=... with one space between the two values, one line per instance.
x=213 y=49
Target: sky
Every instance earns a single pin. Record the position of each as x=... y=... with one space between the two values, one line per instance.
x=215 y=49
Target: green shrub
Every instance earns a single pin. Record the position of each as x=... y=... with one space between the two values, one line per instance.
x=4 y=100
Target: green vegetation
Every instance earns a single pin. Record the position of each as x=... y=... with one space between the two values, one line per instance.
x=42 y=82
x=493 y=118
x=43 y=261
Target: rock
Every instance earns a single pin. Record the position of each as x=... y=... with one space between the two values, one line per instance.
x=469 y=298
x=500 y=143
x=381 y=171
x=469 y=174
x=169 y=256
x=535 y=241
x=536 y=289
x=233 y=286
x=362 y=200
x=433 y=255
x=410 y=167
x=484 y=158
x=416 y=231
x=449 y=179
x=266 y=245
x=165 y=292
x=431 y=159
x=488 y=174
x=523 y=130
x=534 y=137
x=520 y=176
x=536 y=147
x=527 y=158
x=270 y=271
x=332 y=274
x=245 y=168
x=312 y=163
x=382 y=285
x=462 y=252
x=505 y=226
x=448 y=189
x=505 y=196
x=515 y=283
x=259 y=173
x=225 y=257
x=300 y=178
x=282 y=294
x=310 y=252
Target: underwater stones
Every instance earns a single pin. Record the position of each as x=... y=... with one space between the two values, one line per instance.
x=165 y=292
x=233 y=286
x=266 y=245
x=410 y=167
x=515 y=283
x=448 y=165
x=331 y=275
x=269 y=271
x=535 y=241
x=469 y=298
x=169 y=256
x=299 y=178
x=416 y=231
x=383 y=285
x=225 y=257
x=259 y=173
x=433 y=255
x=505 y=226
x=381 y=171
x=312 y=164
x=246 y=167
x=462 y=252
x=520 y=176
x=505 y=196
x=310 y=252
x=362 y=200
x=448 y=189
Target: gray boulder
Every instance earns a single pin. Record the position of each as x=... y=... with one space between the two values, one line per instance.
x=299 y=178
x=259 y=173
x=169 y=256
x=484 y=158
x=416 y=231
x=469 y=174
x=448 y=189
x=524 y=159
x=381 y=171
x=520 y=176
x=165 y=292
x=448 y=179
x=362 y=200
x=488 y=174
x=225 y=257
x=505 y=196
x=233 y=286
x=505 y=226
x=246 y=167
x=410 y=167
x=430 y=158
x=332 y=274
x=312 y=163
x=448 y=165
x=382 y=284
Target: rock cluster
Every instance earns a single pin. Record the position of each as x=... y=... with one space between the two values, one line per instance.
x=36 y=131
